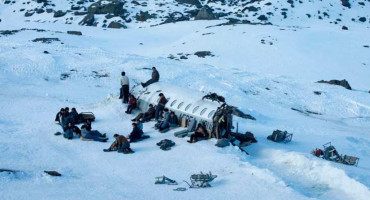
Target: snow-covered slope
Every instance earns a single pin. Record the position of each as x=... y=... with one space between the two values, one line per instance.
x=264 y=70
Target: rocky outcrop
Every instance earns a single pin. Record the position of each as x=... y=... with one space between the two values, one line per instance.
x=107 y=6
x=88 y=20
x=203 y=54
x=205 y=14
x=143 y=16
x=74 y=32
x=190 y=2
x=176 y=17
x=342 y=83
x=117 y=25
x=59 y=13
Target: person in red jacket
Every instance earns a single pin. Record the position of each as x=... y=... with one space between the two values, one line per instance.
x=131 y=104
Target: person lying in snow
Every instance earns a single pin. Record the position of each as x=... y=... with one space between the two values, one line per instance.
x=136 y=133
x=120 y=144
x=171 y=121
x=155 y=78
x=71 y=131
x=94 y=135
x=200 y=132
x=144 y=117
x=131 y=104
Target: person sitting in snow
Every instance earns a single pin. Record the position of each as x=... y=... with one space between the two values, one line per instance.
x=155 y=78
x=120 y=144
x=171 y=121
x=131 y=104
x=71 y=131
x=75 y=117
x=200 y=132
x=135 y=134
x=90 y=135
x=165 y=116
x=59 y=116
x=88 y=124
x=144 y=117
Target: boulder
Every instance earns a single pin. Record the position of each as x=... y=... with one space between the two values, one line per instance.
x=59 y=13
x=49 y=10
x=344 y=28
x=116 y=25
x=88 y=20
x=262 y=18
x=79 y=13
x=107 y=6
x=342 y=83
x=143 y=16
x=40 y=10
x=205 y=14
x=203 y=54
x=74 y=7
x=74 y=32
x=362 y=19
x=175 y=17
x=29 y=13
x=191 y=2
x=346 y=3
x=53 y=173
x=250 y=9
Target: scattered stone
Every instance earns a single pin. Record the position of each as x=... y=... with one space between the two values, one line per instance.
x=79 y=13
x=342 y=83
x=205 y=14
x=175 y=17
x=74 y=32
x=59 y=13
x=88 y=20
x=344 y=28
x=250 y=9
x=8 y=170
x=8 y=32
x=317 y=92
x=29 y=13
x=203 y=54
x=46 y=52
x=53 y=173
x=143 y=16
x=262 y=18
x=64 y=76
x=183 y=57
x=366 y=46
x=362 y=19
x=49 y=10
x=346 y=3
x=74 y=7
x=306 y=112
x=117 y=25
x=46 y=40
x=191 y=2
x=40 y=10
x=104 y=7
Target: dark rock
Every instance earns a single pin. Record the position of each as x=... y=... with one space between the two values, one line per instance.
x=342 y=83
x=203 y=54
x=74 y=32
x=191 y=2
x=366 y=46
x=59 y=13
x=205 y=14
x=53 y=173
x=362 y=19
x=79 y=13
x=9 y=32
x=49 y=10
x=46 y=40
x=88 y=20
x=175 y=17
x=192 y=13
x=46 y=52
x=143 y=16
x=183 y=57
x=40 y=10
x=116 y=25
x=250 y=9
x=317 y=92
x=344 y=28
x=346 y=3
x=262 y=18
x=109 y=16
x=29 y=13
x=8 y=170
x=101 y=7
x=74 y=7
x=135 y=3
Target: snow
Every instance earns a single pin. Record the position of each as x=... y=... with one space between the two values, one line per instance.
x=32 y=92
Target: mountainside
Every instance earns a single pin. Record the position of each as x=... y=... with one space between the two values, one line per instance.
x=143 y=13
x=306 y=75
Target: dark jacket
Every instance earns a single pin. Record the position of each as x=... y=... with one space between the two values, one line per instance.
x=150 y=111
x=132 y=101
x=202 y=130
x=135 y=134
x=76 y=130
x=121 y=140
x=57 y=117
x=155 y=75
x=173 y=119
x=162 y=101
x=73 y=115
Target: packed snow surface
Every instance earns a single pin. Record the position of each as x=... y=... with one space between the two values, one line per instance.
x=264 y=80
